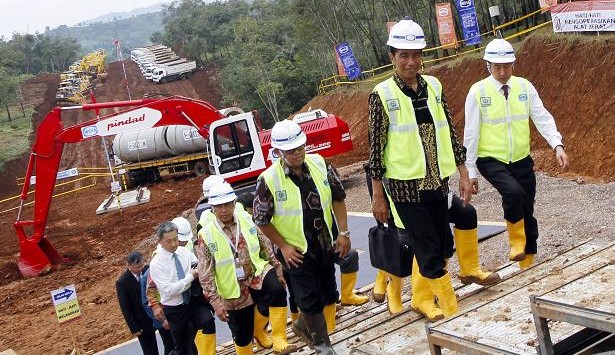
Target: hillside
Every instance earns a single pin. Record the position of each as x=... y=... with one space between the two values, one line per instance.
x=571 y=80
x=132 y=32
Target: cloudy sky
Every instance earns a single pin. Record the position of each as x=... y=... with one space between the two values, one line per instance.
x=33 y=15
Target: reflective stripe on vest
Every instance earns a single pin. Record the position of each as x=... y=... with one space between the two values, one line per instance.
x=504 y=124
x=288 y=212
x=218 y=244
x=404 y=154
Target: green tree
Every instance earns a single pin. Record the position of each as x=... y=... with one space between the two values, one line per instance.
x=8 y=89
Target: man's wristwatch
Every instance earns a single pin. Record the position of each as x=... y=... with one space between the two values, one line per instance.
x=344 y=234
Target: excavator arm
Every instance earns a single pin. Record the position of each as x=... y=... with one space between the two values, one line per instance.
x=37 y=254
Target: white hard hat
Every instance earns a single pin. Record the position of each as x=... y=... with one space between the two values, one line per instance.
x=499 y=51
x=221 y=193
x=407 y=34
x=286 y=135
x=184 y=230
x=209 y=182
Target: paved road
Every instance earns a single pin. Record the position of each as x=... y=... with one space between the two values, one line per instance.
x=359 y=224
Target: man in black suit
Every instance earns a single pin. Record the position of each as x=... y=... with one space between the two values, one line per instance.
x=129 y=296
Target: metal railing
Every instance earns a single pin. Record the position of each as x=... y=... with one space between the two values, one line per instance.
x=85 y=180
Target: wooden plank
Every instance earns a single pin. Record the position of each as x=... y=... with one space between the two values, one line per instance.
x=396 y=335
x=506 y=322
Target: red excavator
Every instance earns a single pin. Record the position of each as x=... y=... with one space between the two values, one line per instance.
x=239 y=150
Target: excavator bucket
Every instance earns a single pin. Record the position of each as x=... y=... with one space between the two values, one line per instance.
x=37 y=258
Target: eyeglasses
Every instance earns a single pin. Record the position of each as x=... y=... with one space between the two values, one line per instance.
x=299 y=149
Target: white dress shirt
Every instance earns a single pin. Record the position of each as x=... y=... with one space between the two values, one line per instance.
x=163 y=272
x=542 y=119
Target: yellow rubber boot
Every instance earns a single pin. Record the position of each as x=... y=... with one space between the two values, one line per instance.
x=329 y=313
x=278 y=317
x=205 y=343
x=442 y=288
x=244 y=350
x=422 y=301
x=349 y=298
x=294 y=316
x=516 y=238
x=260 y=330
x=380 y=286
x=470 y=271
x=394 y=294
x=527 y=262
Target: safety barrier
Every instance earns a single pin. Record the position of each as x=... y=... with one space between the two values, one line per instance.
x=380 y=73
x=86 y=175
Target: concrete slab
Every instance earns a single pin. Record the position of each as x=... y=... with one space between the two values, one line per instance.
x=126 y=199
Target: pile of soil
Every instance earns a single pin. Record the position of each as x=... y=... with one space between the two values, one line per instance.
x=573 y=78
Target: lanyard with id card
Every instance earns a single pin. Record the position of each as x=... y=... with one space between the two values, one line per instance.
x=239 y=272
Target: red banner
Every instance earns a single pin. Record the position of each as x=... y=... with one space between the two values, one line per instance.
x=446 y=26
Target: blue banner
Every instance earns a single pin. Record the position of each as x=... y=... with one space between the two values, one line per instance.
x=469 y=22
x=351 y=66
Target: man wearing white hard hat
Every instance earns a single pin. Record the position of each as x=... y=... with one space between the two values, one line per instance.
x=184 y=233
x=498 y=110
x=299 y=203
x=240 y=275
x=414 y=149
x=206 y=215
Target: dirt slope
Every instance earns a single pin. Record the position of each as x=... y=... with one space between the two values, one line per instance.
x=561 y=71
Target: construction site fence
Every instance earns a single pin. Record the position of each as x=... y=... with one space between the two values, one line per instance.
x=378 y=74
x=86 y=179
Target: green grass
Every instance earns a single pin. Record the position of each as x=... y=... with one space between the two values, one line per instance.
x=14 y=134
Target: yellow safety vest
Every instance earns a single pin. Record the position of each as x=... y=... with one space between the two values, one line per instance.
x=216 y=241
x=504 y=124
x=404 y=155
x=288 y=216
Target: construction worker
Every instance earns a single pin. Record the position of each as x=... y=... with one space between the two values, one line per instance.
x=413 y=151
x=184 y=233
x=497 y=137
x=173 y=270
x=349 y=268
x=298 y=198
x=237 y=269
x=465 y=232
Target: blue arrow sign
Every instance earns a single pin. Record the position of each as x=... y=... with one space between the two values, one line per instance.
x=64 y=294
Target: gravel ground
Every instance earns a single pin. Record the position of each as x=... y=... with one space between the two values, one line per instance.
x=567 y=212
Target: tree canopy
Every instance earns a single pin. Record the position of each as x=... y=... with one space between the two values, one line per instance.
x=273 y=52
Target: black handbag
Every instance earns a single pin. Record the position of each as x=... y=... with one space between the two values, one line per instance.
x=390 y=251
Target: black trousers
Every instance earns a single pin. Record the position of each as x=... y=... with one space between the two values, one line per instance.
x=313 y=282
x=241 y=324
x=185 y=320
x=167 y=340
x=426 y=223
x=516 y=183
x=241 y=321
x=463 y=217
x=348 y=264
x=271 y=294
x=148 y=342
